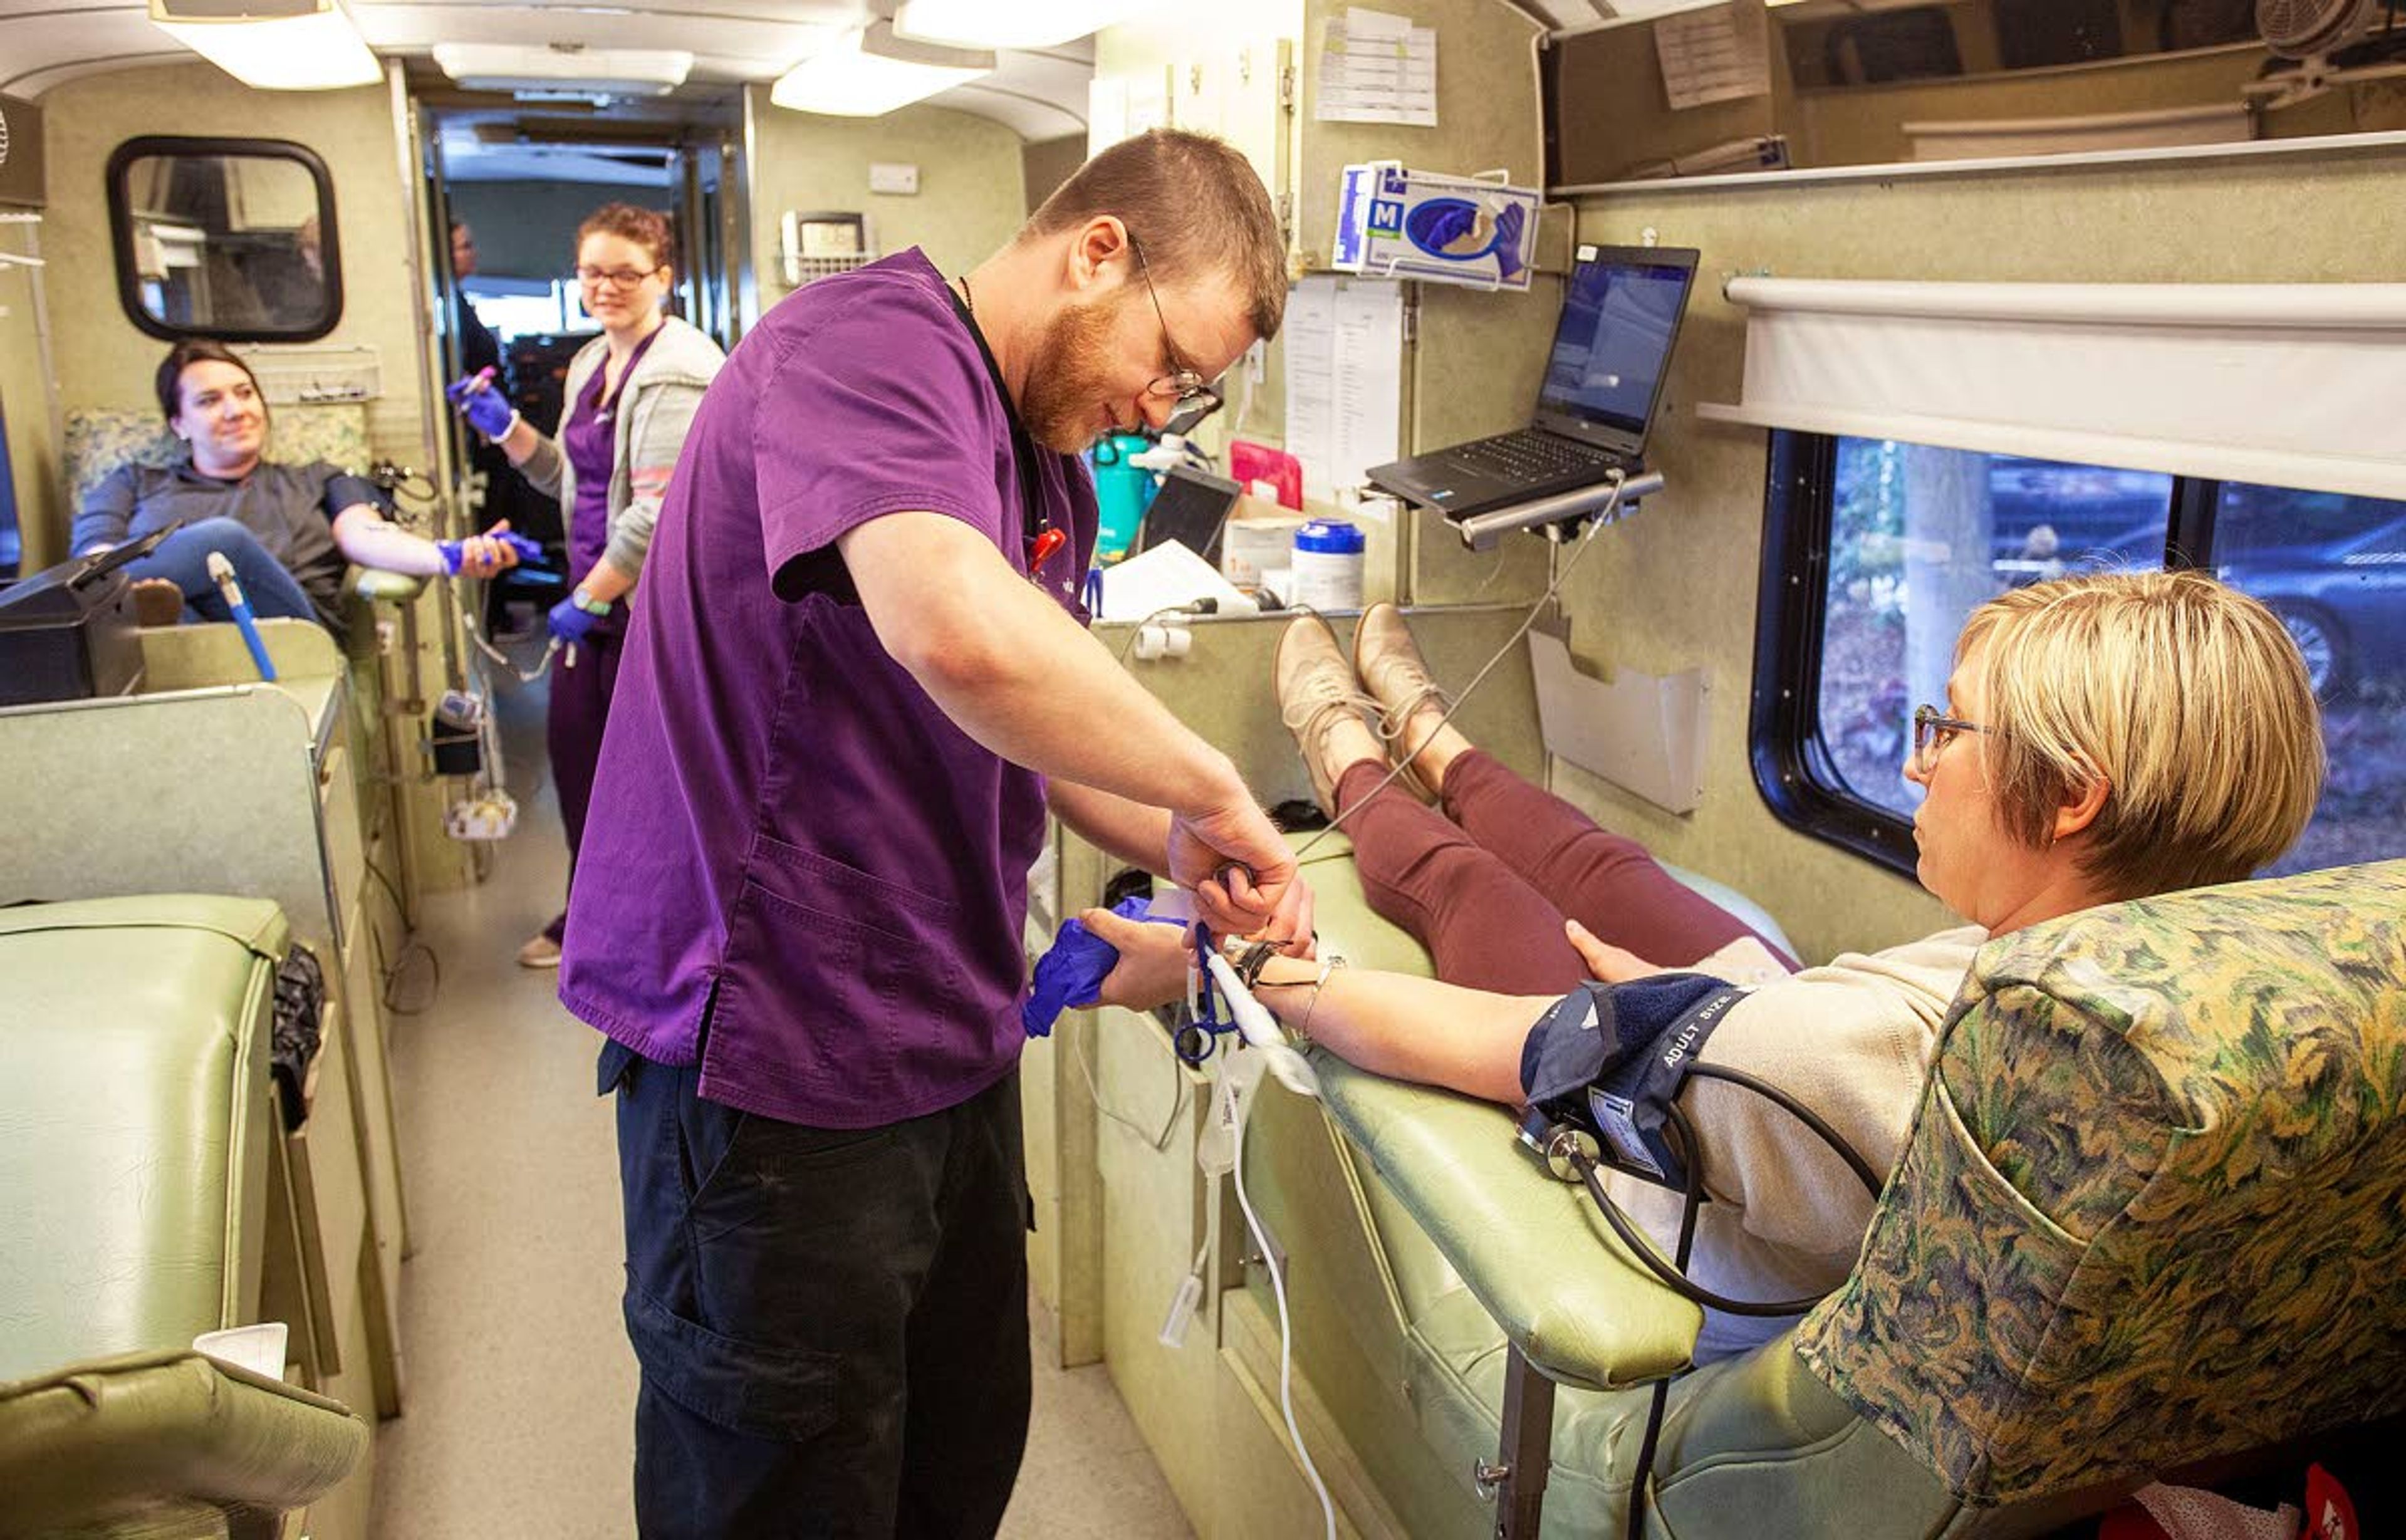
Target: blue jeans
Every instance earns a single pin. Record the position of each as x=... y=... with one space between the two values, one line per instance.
x=182 y=559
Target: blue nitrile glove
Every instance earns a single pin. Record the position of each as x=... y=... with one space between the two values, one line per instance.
x=455 y=551
x=487 y=410
x=1071 y=973
x=569 y=623
x=1507 y=240
x=1439 y=225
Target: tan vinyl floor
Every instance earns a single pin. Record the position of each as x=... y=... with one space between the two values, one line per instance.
x=520 y=1384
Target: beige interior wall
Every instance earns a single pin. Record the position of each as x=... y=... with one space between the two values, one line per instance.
x=25 y=398
x=972 y=194
x=1675 y=587
x=1047 y=164
x=102 y=358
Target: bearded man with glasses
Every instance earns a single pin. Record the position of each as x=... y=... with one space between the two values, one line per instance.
x=858 y=679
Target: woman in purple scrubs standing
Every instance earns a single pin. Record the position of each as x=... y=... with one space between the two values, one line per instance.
x=630 y=396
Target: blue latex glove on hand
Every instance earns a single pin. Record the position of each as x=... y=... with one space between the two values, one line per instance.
x=482 y=555
x=487 y=410
x=1071 y=973
x=569 y=624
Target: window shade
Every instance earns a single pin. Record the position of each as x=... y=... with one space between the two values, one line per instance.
x=2289 y=385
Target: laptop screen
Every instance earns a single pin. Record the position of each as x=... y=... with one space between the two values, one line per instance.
x=1612 y=346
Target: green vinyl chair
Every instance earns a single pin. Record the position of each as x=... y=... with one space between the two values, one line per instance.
x=139 y=1130
x=2151 y=1216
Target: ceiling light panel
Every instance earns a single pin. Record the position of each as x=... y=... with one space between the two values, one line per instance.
x=873 y=72
x=321 y=51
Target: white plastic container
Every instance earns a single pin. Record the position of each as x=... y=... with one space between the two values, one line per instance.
x=1251 y=546
x=1329 y=558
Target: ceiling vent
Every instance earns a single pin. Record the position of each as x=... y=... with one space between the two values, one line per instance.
x=555 y=71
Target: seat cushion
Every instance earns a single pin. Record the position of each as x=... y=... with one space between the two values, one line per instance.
x=133 y=1120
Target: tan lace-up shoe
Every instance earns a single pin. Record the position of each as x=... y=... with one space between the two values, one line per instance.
x=157 y=603
x=1317 y=700
x=1389 y=664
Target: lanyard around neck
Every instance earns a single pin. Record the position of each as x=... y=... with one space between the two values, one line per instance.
x=1023 y=448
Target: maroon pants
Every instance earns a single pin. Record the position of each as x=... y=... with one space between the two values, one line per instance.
x=580 y=709
x=1486 y=884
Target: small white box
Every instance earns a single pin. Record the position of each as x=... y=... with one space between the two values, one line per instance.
x=895 y=176
x=1252 y=545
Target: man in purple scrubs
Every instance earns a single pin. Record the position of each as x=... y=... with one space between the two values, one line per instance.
x=856 y=676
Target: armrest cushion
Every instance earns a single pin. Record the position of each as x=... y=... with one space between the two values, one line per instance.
x=1531 y=1249
x=378 y=587
x=160 y=1434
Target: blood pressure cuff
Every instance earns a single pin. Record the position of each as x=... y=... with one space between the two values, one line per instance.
x=1609 y=1058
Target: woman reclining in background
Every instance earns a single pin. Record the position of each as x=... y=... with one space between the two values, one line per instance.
x=2121 y=735
x=288 y=529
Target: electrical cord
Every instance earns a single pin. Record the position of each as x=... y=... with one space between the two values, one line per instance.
x=389 y=963
x=1287 y=1325
x=1553 y=587
x=1158 y=1143
x=1672 y=1274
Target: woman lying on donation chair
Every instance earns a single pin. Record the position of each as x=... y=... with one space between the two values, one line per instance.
x=2104 y=738
x=287 y=530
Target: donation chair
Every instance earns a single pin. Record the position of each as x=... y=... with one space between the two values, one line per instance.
x=145 y=1201
x=2151 y=1215
x=100 y=439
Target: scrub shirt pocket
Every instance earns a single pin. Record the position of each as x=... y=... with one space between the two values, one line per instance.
x=806 y=929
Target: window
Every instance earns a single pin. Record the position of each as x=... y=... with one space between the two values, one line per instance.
x=227 y=238
x=1878 y=550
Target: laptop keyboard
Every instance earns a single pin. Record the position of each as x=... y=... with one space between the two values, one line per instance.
x=1531 y=457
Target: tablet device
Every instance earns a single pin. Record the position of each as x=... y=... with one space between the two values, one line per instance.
x=1191 y=508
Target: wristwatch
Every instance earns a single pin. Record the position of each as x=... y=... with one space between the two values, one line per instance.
x=587 y=602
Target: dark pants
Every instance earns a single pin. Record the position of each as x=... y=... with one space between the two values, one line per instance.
x=832 y=1323
x=1486 y=884
x=580 y=709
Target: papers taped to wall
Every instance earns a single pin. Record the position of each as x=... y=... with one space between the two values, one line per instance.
x=1375 y=67
x=1394 y=222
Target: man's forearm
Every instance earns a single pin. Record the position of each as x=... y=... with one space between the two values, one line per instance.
x=1010 y=667
x=1125 y=830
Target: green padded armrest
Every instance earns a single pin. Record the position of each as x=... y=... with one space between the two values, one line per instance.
x=378 y=587
x=121 y=1444
x=1532 y=1249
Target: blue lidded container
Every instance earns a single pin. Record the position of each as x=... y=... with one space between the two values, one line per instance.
x=1329 y=558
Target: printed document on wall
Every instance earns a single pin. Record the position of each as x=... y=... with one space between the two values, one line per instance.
x=1723 y=54
x=1377 y=68
x=1343 y=341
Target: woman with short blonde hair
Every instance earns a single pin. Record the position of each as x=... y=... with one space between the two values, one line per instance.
x=2184 y=695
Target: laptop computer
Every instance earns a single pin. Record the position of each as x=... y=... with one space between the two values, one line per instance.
x=1604 y=378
